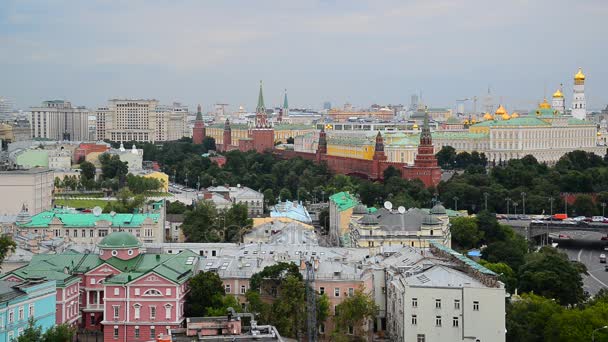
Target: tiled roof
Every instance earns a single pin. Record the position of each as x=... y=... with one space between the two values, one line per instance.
x=71 y=219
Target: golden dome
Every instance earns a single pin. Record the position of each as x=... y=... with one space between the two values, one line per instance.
x=488 y=116
x=501 y=110
x=473 y=120
x=599 y=134
x=505 y=116
x=415 y=126
x=544 y=104
x=558 y=93
x=579 y=75
x=466 y=121
x=514 y=115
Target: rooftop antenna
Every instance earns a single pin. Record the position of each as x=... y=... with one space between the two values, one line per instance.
x=388 y=205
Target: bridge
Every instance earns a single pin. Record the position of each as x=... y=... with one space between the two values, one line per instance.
x=532 y=230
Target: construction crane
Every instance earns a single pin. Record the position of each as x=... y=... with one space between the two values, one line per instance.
x=311 y=301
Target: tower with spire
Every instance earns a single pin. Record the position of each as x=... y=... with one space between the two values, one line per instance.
x=425 y=165
x=322 y=145
x=198 y=132
x=558 y=103
x=262 y=134
x=227 y=138
x=579 y=103
x=284 y=112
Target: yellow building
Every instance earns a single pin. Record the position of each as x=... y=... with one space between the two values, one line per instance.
x=241 y=131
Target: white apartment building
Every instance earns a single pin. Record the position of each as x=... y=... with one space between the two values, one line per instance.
x=60 y=159
x=58 y=120
x=429 y=301
x=254 y=200
x=32 y=188
x=141 y=120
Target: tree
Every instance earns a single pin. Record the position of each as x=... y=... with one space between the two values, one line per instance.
x=269 y=197
x=112 y=166
x=446 y=157
x=290 y=140
x=578 y=323
x=510 y=252
x=87 y=170
x=176 y=207
x=275 y=273
x=31 y=333
x=390 y=172
x=209 y=144
x=527 y=318
x=465 y=233
x=355 y=312
x=206 y=293
x=583 y=204
x=200 y=224
x=324 y=219
x=59 y=333
x=236 y=222
x=550 y=274
x=7 y=245
x=505 y=274
x=285 y=194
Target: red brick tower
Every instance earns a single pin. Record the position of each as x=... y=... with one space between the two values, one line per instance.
x=425 y=165
x=378 y=157
x=263 y=132
x=227 y=136
x=198 y=132
x=322 y=145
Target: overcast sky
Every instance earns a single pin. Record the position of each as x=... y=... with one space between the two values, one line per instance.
x=362 y=52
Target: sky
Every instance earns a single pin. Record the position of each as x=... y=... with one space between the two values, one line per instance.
x=361 y=52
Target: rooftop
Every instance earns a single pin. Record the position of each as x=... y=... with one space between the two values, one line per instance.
x=343 y=200
x=77 y=219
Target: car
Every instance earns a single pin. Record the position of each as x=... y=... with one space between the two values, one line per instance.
x=604 y=238
x=602 y=258
x=598 y=219
x=564 y=236
x=537 y=221
x=579 y=218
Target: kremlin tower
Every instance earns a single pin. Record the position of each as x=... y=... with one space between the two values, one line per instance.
x=284 y=112
x=558 y=103
x=263 y=132
x=198 y=132
x=579 y=104
x=227 y=139
x=425 y=165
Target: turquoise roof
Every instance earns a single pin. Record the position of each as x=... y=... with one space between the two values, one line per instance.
x=77 y=220
x=343 y=200
x=463 y=258
x=521 y=121
x=119 y=240
x=575 y=121
x=459 y=135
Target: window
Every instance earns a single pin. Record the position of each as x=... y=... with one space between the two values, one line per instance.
x=168 y=308
x=137 y=291
x=116 y=309
x=321 y=290
x=116 y=291
x=351 y=330
x=457 y=304
x=455 y=322
x=91 y=233
x=152 y=312
x=21 y=313
x=414 y=319
x=337 y=292
x=475 y=306
x=168 y=292
x=437 y=303
x=92 y=319
x=243 y=289
x=153 y=292
x=116 y=331
x=10 y=336
x=336 y=310
x=351 y=292
x=420 y=338
x=227 y=288
x=136 y=331
x=83 y=233
x=31 y=310
x=152 y=332
x=437 y=321
x=114 y=252
x=92 y=281
x=75 y=233
x=137 y=311
x=414 y=302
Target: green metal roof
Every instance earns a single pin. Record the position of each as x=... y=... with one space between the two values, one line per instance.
x=232 y=126
x=459 y=135
x=77 y=220
x=287 y=127
x=575 y=121
x=463 y=258
x=119 y=240
x=521 y=121
x=343 y=200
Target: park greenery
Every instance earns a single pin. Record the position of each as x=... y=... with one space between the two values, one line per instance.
x=205 y=223
x=57 y=333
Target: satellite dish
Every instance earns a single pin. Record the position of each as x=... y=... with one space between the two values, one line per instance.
x=388 y=205
x=112 y=213
x=97 y=211
x=401 y=209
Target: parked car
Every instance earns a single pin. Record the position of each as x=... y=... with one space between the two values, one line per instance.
x=603 y=258
x=579 y=218
x=598 y=219
x=560 y=216
x=604 y=238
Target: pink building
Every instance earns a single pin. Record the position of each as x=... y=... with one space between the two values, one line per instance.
x=129 y=295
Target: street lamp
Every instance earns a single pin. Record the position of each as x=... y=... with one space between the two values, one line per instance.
x=593 y=333
x=515 y=204
x=550 y=218
x=603 y=207
x=455 y=198
x=508 y=201
x=485 y=197
x=523 y=199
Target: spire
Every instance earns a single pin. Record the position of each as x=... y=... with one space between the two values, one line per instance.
x=199 y=114
x=227 y=125
x=425 y=136
x=285 y=103
x=261 y=108
x=379 y=143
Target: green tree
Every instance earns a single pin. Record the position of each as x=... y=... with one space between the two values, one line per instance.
x=528 y=317
x=583 y=204
x=209 y=144
x=511 y=251
x=236 y=222
x=550 y=274
x=285 y=194
x=31 y=333
x=269 y=197
x=355 y=312
x=446 y=157
x=112 y=166
x=578 y=323
x=200 y=224
x=59 y=333
x=7 y=245
x=206 y=293
x=391 y=172
x=176 y=207
x=87 y=170
x=324 y=219
x=505 y=274
x=465 y=234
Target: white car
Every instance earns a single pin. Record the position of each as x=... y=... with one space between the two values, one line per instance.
x=597 y=219
x=579 y=218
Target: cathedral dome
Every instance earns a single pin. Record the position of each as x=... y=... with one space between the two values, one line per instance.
x=488 y=116
x=558 y=94
x=501 y=110
x=544 y=104
x=579 y=75
x=415 y=126
x=514 y=115
x=505 y=116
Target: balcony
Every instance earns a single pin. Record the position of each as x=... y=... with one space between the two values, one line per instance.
x=93 y=308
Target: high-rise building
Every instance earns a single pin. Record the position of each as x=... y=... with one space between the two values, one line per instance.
x=58 y=120
x=327 y=105
x=172 y=122
x=6 y=110
x=579 y=104
x=102 y=121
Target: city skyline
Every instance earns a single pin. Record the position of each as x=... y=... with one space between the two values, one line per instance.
x=332 y=51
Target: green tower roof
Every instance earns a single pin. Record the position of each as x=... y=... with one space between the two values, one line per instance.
x=285 y=103
x=261 y=108
x=119 y=240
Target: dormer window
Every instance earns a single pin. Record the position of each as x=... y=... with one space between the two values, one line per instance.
x=130 y=252
x=114 y=252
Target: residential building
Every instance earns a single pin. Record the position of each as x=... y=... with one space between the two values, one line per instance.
x=131 y=120
x=20 y=301
x=32 y=188
x=128 y=294
x=341 y=207
x=133 y=157
x=172 y=122
x=60 y=159
x=103 y=121
x=90 y=228
x=386 y=227
x=254 y=200
x=293 y=210
x=58 y=120
x=450 y=298
x=6 y=110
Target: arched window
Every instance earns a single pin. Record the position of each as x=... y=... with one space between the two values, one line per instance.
x=152 y=292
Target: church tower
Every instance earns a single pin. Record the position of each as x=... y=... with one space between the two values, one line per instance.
x=284 y=113
x=558 y=103
x=227 y=136
x=198 y=132
x=263 y=132
x=425 y=165
x=579 y=104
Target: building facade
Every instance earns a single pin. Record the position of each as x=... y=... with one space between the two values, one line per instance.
x=32 y=188
x=58 y=120
x=579 y=103
x=254 y=200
